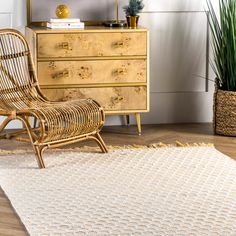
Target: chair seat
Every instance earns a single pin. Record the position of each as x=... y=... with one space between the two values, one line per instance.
x=68 y=119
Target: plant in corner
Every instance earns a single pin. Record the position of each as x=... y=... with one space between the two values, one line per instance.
x=223 y=29
x=131 y=10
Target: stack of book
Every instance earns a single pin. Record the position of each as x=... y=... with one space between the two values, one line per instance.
x=67 y=23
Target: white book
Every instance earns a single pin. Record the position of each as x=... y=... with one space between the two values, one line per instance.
x=66 y=25
x=65 y=20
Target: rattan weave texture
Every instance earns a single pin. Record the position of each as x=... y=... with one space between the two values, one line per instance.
x=225 y=112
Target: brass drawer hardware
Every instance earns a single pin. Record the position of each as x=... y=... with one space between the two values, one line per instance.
x=63 y=74
x=119 y=99
x=65 y=45
x=119 y=44
x=120 y=71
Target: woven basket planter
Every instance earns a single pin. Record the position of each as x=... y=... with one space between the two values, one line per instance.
x=225 y=112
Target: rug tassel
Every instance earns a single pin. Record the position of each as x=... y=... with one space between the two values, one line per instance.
x=134 y=146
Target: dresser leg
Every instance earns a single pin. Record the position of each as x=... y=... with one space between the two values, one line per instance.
x=127 y=120
x=138 y=120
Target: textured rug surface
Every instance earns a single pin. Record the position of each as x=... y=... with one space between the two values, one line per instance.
x=167 y=191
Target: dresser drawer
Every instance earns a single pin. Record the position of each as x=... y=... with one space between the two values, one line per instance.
x=92 y=72
x=92 y=44
x=111 y=98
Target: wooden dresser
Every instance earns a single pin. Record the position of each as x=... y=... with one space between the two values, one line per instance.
x=108 y=65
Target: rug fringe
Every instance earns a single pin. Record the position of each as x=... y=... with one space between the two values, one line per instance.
x=110 y=147
x=163 y=145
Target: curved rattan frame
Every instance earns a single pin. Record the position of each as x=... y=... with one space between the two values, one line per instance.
x=58 y=123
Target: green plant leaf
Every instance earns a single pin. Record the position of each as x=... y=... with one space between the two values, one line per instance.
x=134 y=7
x=223 y=29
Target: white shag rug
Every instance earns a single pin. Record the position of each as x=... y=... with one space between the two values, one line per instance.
x=167 y=191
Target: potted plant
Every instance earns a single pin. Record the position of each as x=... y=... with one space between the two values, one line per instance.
x=131 y=10
x=223 y=30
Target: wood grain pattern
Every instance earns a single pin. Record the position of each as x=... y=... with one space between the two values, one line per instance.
x=92 y=44
x=10 y=224
x=92 y=72
x=111 y=98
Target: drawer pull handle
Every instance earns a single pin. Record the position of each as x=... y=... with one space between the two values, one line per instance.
x=121 y=71
x=62 y=74
x=65 y=45
x=119 y=98
x=119 y=44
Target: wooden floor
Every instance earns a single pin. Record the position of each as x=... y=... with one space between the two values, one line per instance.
x=10 y=224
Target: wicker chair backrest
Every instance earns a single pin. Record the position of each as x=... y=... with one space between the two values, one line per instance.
x=18 y=83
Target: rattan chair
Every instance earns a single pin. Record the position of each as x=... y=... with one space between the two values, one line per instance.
x=58 y=123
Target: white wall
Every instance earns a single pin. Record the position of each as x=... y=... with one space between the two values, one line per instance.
x=13 y=14
x=179 y=52
x=179 y=61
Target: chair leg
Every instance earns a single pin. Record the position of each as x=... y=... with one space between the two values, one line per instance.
x=5 y=123
x=38 y=153
x=37 y=149
x=101 y=143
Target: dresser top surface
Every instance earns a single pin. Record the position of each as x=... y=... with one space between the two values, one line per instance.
x=42 y=30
